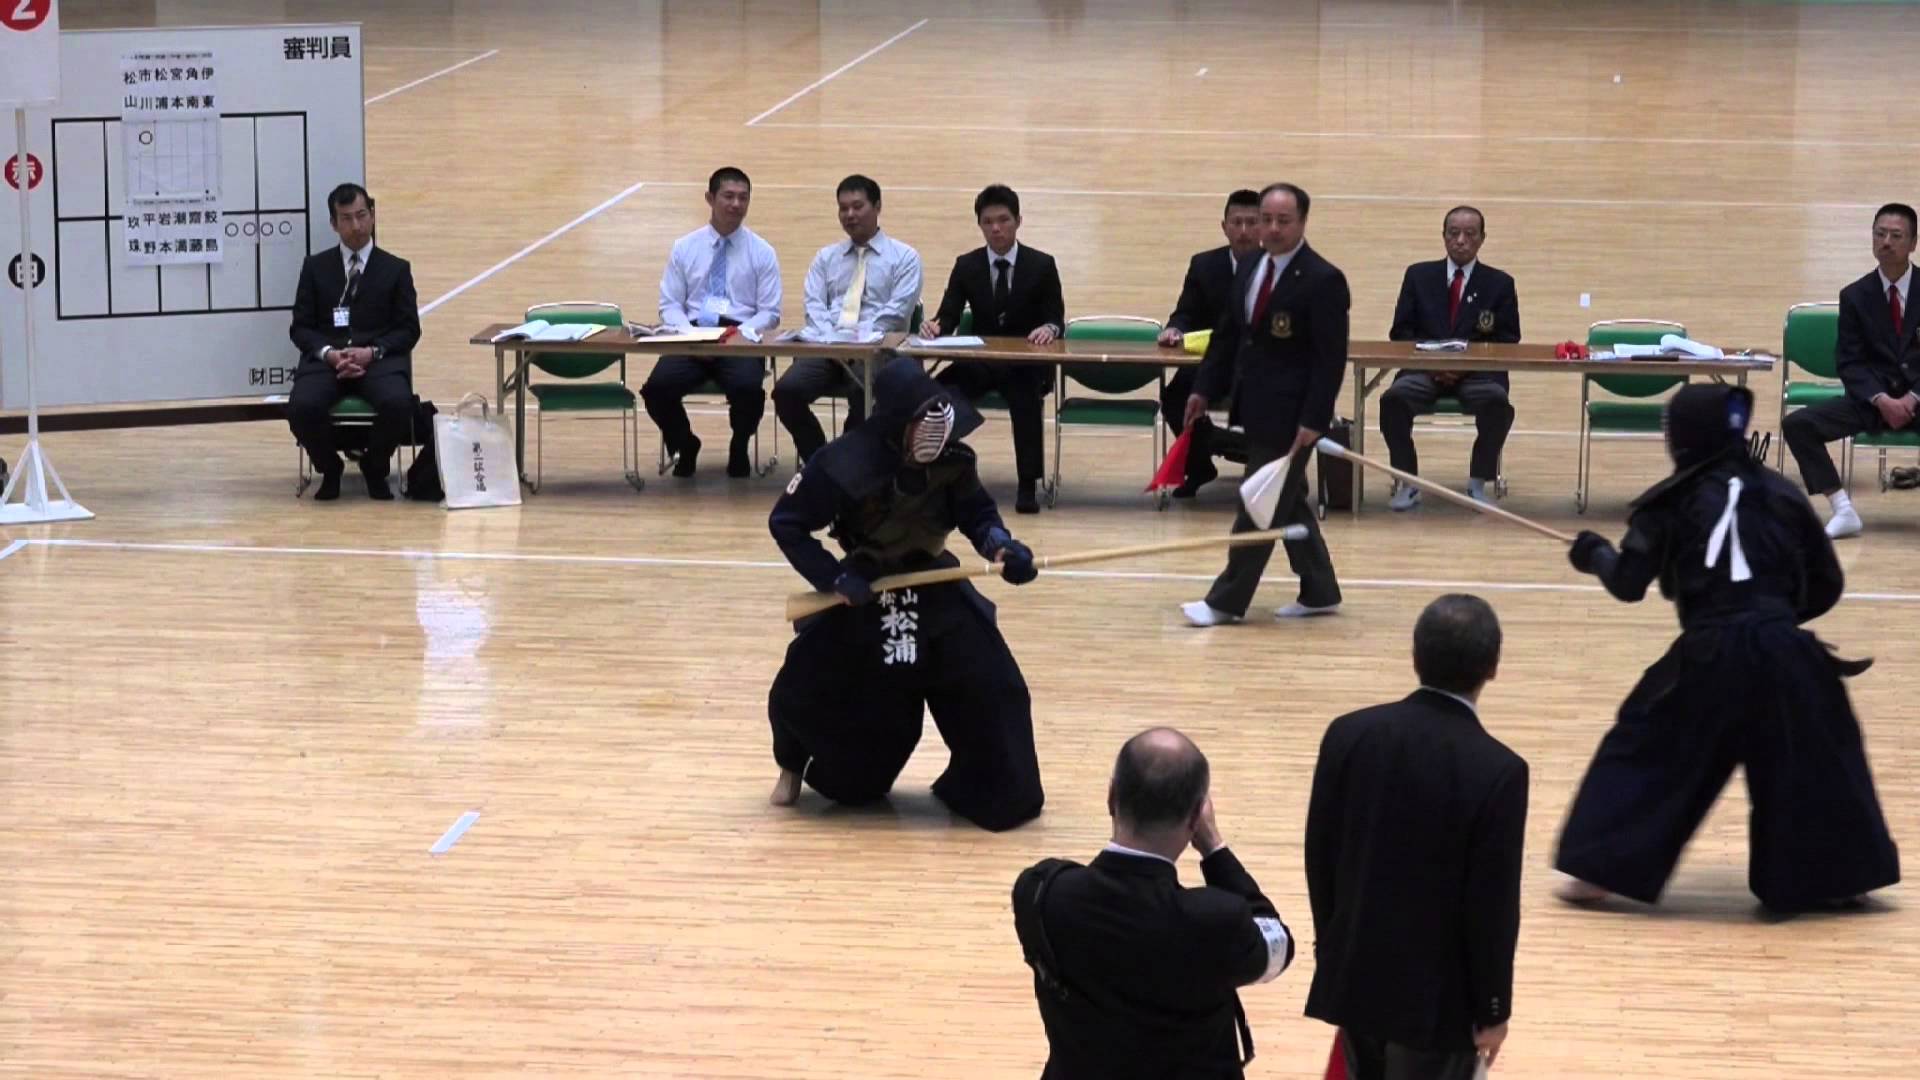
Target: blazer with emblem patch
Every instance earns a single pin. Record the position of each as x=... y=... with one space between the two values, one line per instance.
x=1285 y=373
x=1489 y=307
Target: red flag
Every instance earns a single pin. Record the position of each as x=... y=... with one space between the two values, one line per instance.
x=1173 y=471
x=1337 y=1061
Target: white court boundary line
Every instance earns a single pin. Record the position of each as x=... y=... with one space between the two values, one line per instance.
x=404 y=87
x=835 y=73
x=531 y=248
x=1369 y=136
x=751 y=564
x=1409 y=200
x=1447 y=27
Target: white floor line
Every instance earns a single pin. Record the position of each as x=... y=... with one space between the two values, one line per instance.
x=1368 y=136
x=531 y=248
x=1426 y=30
x=11 y=548
x=403 y=87
x=749 y=564
x=1408 y=200
x=835 y=73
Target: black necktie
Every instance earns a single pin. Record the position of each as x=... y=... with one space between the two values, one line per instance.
x=353 y=280
x=1001 y=267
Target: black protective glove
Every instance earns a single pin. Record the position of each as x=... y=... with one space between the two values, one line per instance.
x=1586 y=551
x=1018 y=569
x=858 y=590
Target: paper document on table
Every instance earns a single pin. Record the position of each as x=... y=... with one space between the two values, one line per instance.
x=1455 y=345
x=838 y=337
x=1674 y=344
x=704 y=333
x=951 y=341
x=541 y=330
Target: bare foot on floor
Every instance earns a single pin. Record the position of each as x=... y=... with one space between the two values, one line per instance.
x=1575 y=891
x=786 y=790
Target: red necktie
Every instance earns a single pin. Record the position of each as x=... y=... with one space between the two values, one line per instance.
x=1453 y=296
x=1893 y=305
x=1266 y=293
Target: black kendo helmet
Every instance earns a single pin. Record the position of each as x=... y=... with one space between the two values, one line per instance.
x=1704 y=420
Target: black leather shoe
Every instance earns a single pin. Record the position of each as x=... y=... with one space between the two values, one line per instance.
x=1025 y=502
x=1196 y=479
x=329 y=488
x=739 y=460
x=689 y=457
x=377 y=487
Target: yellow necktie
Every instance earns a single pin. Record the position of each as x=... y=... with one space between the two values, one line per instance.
x=850 y=307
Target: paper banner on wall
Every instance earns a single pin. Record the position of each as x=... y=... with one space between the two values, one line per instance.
x=173 y=233
x=170 y=126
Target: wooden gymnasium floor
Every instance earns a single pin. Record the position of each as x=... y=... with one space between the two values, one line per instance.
x=231 y=723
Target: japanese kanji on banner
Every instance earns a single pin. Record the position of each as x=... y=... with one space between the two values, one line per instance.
x=170 y=127
x=170 y=233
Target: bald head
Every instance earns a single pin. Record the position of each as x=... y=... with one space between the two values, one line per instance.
x=1159 y=780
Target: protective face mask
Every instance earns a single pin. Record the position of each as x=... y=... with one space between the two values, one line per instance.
x=930 y=434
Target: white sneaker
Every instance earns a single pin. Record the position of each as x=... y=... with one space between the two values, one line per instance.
x=1302 y=611
x=1477 y=491
x=1201 y=613
x=1844 y=523
x=1405 y=497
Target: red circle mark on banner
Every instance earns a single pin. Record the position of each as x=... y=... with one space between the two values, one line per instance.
x=24 y=14
x=35 y=172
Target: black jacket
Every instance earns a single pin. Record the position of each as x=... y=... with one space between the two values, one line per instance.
x=1285 y=373
x=1867 y=352
x=385 y=309
x=1795 y=572
x=1204 y=294
x=1414 y=838
x=858 y=475
x=1033 y=298
x=1489 y=307
x=1151 y=969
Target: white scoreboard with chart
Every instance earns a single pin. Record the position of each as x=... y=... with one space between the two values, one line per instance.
x=157 y=293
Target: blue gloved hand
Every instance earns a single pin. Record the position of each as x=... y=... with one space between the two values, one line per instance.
x=1017 y=567
x=858 y=590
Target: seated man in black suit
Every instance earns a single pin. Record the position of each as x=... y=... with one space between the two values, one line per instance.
x=1457 y=297
x=1203 y=299
x=355 y=321
x=1013 y=291
x=1138 y=977
x=1876 y=328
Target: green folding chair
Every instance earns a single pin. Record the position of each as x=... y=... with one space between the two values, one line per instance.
x=354 y=411
x=1628 y=408
x=1118 y=385
x=580 y=392
x=1807 y=343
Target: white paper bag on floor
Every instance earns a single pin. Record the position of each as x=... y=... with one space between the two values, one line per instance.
x=475 y=455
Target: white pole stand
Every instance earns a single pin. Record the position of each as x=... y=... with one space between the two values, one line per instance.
x=33 y=470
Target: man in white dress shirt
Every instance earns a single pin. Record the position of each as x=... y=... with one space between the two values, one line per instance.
x=721 y=274
x=866 y=284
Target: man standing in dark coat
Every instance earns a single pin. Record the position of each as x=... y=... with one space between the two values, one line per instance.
x=846 y=706
x=1281 y=352
x=1414 y=837
x=1745 y=560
